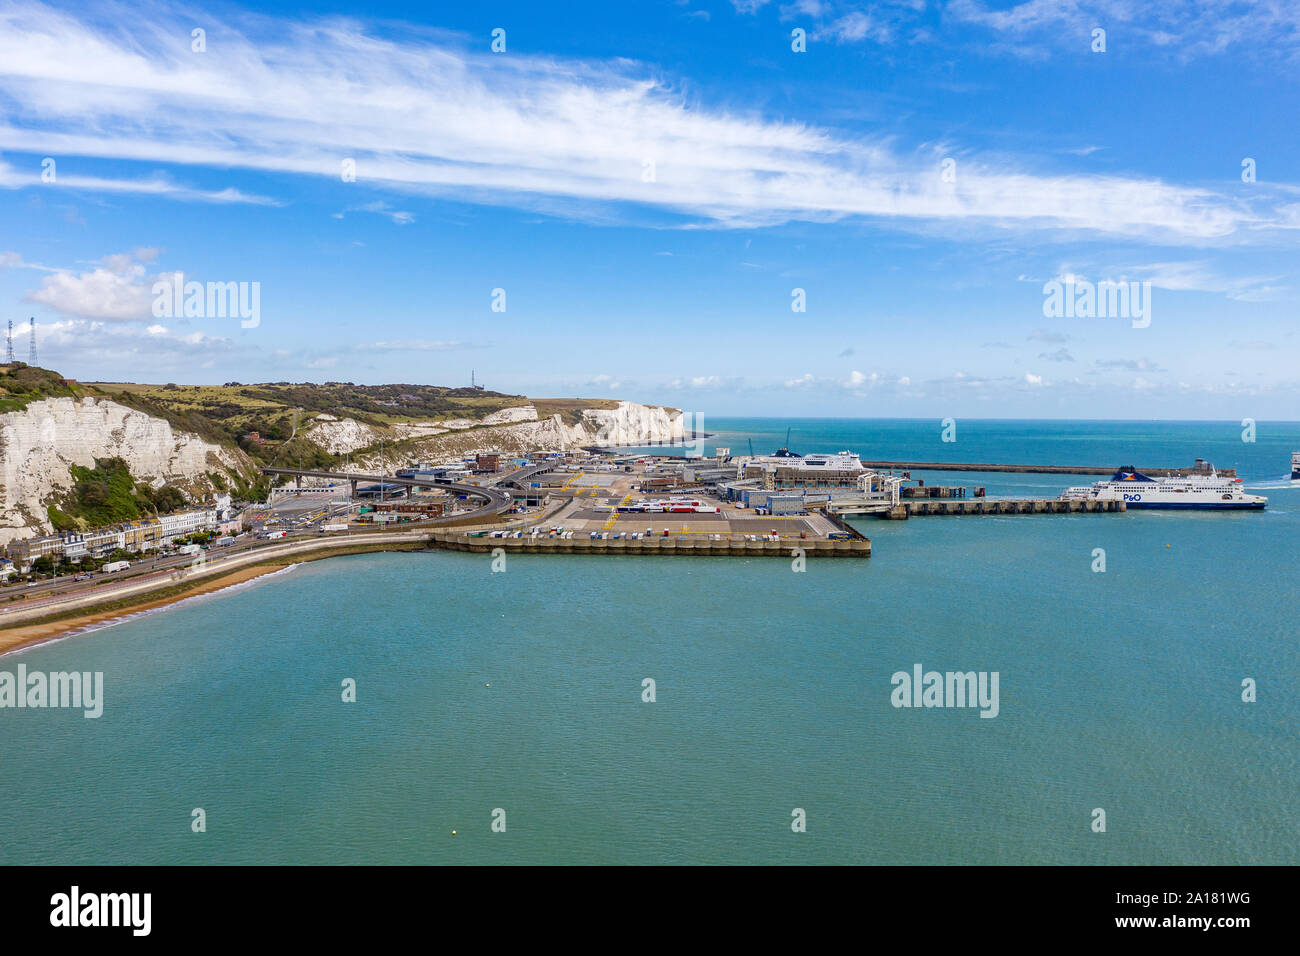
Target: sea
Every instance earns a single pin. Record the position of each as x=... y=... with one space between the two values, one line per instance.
x=580 y=710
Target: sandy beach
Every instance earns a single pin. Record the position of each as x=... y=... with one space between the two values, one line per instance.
x=25 y=635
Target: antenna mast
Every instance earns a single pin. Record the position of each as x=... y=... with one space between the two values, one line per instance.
x=31 y=345
x=9 y=343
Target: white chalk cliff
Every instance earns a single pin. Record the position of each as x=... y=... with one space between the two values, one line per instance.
x=40 y=443
x=509 y=431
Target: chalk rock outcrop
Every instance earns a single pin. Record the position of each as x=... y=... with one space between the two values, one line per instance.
x=40 y=443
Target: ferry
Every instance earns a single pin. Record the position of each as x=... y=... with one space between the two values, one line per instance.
x=1137 y=490
x=1295 y=466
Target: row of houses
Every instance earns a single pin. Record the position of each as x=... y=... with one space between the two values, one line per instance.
x=146 y=534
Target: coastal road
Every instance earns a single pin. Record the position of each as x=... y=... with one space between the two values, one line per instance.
x=496 y=500
x=117 y=588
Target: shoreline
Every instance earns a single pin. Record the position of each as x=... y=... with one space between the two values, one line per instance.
x=22 y=636
x=58 y=626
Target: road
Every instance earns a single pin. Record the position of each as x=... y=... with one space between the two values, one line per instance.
x=497 y=500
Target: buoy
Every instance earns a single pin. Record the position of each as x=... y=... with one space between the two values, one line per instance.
x=453 y=832
x=487 y=685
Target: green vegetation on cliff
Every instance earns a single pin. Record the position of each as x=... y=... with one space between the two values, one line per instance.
x=107 y=495
x=231 y=414
x=21 y=384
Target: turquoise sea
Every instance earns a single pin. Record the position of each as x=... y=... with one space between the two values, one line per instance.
x=522 y=691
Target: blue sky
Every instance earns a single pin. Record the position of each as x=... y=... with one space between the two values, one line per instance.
x=650 y=181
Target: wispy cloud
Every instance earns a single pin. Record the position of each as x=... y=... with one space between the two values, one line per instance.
x=1186 y=29
x=423 y=115
x=413 y=345
x=157 y=185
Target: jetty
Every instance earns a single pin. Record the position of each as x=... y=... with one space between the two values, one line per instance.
x=1033 y=469
x=684 y=545
x=922 y=507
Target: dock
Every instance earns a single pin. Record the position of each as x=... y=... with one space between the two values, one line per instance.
x=1031 y=469
x=858 y=547
x=921 y=507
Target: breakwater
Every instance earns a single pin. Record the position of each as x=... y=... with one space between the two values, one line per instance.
x=1033 y=469
x=1022 y=506
x=858 y=547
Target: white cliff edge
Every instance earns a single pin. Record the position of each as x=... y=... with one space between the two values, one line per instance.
x=39 y=444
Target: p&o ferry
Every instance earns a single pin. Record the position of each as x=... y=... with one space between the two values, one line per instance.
x=1136 y=490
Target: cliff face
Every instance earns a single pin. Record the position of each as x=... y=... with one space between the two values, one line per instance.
x=38 y=444
x=632 y=424
x=510 y=431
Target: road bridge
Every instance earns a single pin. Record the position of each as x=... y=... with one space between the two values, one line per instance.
x=495 y=500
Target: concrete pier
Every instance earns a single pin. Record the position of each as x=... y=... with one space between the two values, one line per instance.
x=1021 y=506
x=1033 y=469
x=976 y=506
x=857 y=548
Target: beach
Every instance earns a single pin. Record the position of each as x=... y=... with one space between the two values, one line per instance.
x=25 y=635
x=57 y=624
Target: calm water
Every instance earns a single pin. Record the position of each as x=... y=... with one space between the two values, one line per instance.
x=1119 y=690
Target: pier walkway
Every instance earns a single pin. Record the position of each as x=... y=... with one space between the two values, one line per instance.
x=971 y=506
x=1031 y=469
x=734 y=546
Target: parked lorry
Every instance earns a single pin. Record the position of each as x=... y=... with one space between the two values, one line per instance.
x=115 y=566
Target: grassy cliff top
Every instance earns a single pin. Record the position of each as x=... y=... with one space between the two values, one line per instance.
x=21 y=384
x=373 y=404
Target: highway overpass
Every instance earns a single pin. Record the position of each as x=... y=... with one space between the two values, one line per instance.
x=495 y=500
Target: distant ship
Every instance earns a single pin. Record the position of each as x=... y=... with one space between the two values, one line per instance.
x=1137 y=490
x=784 y=451
x=1295 y=465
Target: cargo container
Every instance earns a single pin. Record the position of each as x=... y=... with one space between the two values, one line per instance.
x=334 y=527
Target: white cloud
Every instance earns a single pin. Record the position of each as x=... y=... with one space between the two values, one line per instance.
x=115 y=290
x=157 y=185
x=412 y=345
x=854 y=27
x=420 y=115
x=1032 y=379
x=400 y=216
x=81 y=343
x=1189 y=28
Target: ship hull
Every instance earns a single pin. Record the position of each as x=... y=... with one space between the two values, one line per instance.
x=1193 y=506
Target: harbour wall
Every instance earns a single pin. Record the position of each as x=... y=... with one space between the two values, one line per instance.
x=812 y=547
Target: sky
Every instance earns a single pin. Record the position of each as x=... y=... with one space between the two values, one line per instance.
x=734 y=207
